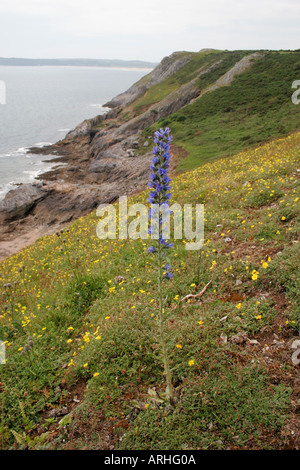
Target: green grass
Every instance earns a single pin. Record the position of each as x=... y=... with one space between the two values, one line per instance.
x=255 y=108
x=90 y=308
x=241 y=393
x=76 y=310
x=200 y=62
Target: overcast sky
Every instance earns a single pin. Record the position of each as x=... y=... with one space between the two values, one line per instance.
x=144 y=30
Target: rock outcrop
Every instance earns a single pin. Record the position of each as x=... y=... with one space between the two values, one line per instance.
x=167 y=67
x=19 y=202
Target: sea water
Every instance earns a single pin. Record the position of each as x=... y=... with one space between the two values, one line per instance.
x=42 y=104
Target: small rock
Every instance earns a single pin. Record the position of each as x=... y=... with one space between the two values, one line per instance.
x=219 y=443
x=239 y=338
x=253 y=341
x=58 y=412
x=57 y=390
x=223 y=338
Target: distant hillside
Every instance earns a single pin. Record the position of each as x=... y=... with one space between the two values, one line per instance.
x=217 y=103
x=77 y=62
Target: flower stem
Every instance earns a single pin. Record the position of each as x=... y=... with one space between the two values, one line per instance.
x=160 y=196
x=170 y=389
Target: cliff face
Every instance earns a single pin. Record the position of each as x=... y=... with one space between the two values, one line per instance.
x=107 y=156
x=168 y=66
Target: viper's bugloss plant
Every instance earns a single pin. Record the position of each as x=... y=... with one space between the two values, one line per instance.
x=159 y=198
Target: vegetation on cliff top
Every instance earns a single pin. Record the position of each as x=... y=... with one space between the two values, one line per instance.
x=254 y=109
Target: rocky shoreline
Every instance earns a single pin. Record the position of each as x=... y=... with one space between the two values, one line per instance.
x=64 y=193
x=99 y=164
x=101 y=159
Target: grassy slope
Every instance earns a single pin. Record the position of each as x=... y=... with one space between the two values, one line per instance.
x=94 y=334
x=198 y=63
x=256 y=108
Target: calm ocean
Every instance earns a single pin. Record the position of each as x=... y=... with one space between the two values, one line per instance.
x=42 y=104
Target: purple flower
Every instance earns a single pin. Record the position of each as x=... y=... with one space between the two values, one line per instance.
x=160 y=194
x=168 y=275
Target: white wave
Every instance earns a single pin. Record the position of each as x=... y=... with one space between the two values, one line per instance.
x=15 y=153
x=5 y=155
x=42 y=144
x=103 y=109
x=5 y=188
x=21 y=150
x=18 y=152
x=32 y=174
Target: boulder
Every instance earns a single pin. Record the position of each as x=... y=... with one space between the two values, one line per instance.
x=19 y=202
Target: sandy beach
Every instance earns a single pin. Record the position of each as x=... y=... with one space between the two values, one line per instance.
x=13 y=246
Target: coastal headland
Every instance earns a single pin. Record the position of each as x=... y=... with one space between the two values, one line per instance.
x=210 y=99
x=99 y=161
